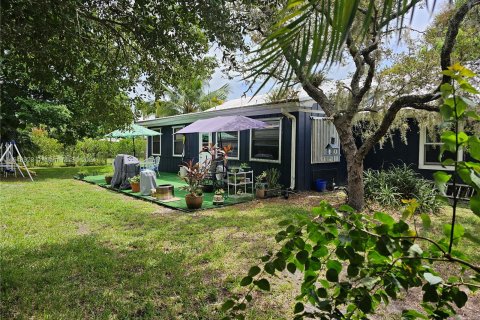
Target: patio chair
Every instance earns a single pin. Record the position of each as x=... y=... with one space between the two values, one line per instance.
x=156 y=165
x=148 y=164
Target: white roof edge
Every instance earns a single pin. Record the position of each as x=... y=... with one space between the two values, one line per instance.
x=252 y=110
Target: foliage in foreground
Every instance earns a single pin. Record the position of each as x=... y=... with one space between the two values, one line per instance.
x=389 y=187
x=352 y=262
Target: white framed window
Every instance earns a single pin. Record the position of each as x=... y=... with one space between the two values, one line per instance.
x=204 y=140
x=232 y=139
x=156 y=143
x=323 y=133
x=178 y=143
x=429 y=151
x=266 y=144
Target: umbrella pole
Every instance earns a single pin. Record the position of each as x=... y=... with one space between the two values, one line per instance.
x=133 y=138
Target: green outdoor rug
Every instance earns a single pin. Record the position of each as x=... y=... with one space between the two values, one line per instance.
x=173 y=179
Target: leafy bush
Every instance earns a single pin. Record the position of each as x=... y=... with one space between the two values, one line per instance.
x=389 y=187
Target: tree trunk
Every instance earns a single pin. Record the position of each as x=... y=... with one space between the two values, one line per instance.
x=355 y=188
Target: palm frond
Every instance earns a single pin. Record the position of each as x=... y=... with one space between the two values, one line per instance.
x=312 y=33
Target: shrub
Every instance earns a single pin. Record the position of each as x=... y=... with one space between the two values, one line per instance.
x=389 y=187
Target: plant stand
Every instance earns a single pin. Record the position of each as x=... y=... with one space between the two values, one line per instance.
x=240 y=181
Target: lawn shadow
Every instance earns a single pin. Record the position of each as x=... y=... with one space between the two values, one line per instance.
x=84 y=278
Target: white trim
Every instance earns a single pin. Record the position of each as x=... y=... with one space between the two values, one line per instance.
x=238 y=144
x=160 y=142
x=173 y=142
x=279 y=119
x=421 y=154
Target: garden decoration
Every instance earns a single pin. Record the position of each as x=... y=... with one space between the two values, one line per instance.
x=135 y=183
x=218 y=197
x=352 y=262
x=108 y=178
x=194 y=177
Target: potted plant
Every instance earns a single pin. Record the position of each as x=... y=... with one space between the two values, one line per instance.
x=260 y=185
x=245 y=166
x=272 y=176
x=82 y=174
x=194 y=177
x=135 y=183
x=218 y=196
x=108 y=178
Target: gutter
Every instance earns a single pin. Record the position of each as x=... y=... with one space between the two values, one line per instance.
x=293 y=147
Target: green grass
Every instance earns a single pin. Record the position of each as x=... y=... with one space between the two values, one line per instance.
x=73 y=250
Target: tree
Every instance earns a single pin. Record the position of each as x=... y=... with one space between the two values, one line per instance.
x=383 y=256
x=89 y=55
x=305 y=34
x=190 y=97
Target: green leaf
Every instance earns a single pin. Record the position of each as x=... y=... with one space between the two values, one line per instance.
x=246 y=281
x=365 y=303
x=263 y=284
x=474 y=147
x=298 y=307
x=322 y=292
x=475 y=204
x=302 y=256
x=334 y=264
x=384 y=218
x=254 y=271
x=279 y=264
x=269 y=268
x=413 y=314
x=228 y=305
x=291 y=267
x=460 y=298
x=432 y=280
x=441 y=179
x=415 y=250
x=332 y=275
x=426 y=221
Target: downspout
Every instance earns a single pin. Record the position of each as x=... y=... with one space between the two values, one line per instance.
x=293 y=147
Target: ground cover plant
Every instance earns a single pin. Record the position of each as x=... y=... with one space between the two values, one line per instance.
x=389 y=187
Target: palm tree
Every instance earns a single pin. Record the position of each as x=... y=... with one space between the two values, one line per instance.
x=190 y=97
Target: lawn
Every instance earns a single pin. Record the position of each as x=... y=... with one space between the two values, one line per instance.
x=74 y=250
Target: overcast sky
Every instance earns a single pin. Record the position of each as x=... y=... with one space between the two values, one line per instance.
x=421 y=20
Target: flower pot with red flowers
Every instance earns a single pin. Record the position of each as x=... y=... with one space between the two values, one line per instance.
x=135 y=183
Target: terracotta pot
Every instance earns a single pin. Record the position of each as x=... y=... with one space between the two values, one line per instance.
x=135 y=186
x=260 y=193
x=108 y=180
x=193 y=202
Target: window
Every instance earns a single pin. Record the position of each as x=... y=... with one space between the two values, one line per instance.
x=323 y=133
x=232 y=139
x=177 y=142
x=156 y=143
x=265 y=144
x=205 y=139
x=429 y=151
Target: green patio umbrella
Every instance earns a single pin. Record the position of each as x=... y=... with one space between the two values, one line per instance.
x=133 y=131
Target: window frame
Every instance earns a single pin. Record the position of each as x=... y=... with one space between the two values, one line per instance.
x=279 y=119
x=421 y=153
x=200 y=142
x=159 y=130
x=173 y=142
x=238 y=144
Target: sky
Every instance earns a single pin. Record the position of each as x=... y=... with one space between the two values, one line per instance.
x=421 y=19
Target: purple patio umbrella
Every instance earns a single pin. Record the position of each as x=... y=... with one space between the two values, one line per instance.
x=222 y=124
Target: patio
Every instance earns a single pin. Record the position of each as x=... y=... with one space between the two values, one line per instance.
x=176 y=203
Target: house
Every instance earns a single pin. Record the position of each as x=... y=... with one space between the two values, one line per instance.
x=295 y=142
